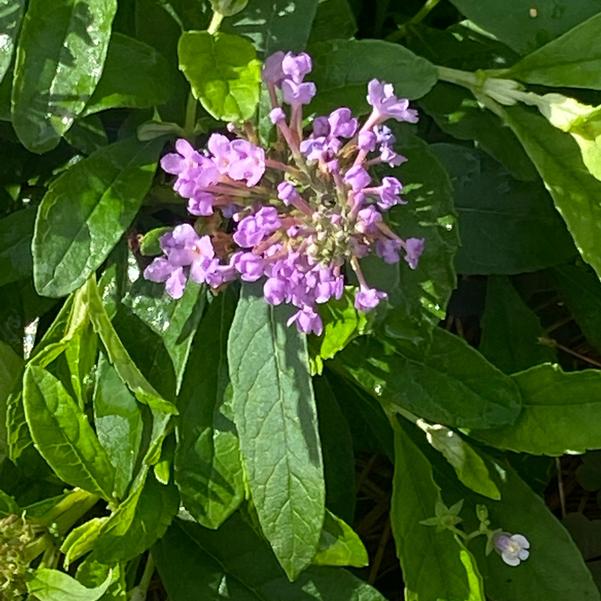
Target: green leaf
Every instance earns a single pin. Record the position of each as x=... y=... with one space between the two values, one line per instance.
x=63 y=436
x=11 y=12
x=558 y=415
x=91 y=573
x=87 y=135
x=16 y=231
x=572 y=60
x=236 y=560
x=7 y=505
x=554 y=571
x=343 y=68
x=436 y=566
x=448 y=383
x=274 y=24
x=575 y=192
x=334 y=19
x=11 y=366
x=370 y=428
x=59 y=61
x=53 y=585
x=275 y=414
x=510 y=330
x=339 y=545
x=174 y=321
x=505 y=225
x=118 y=422
x=459 y=114
x=523 y=25
x=580 y=289
x=470 y=468
x=223 y=71
x=419 y=296
x=208 y=468
x=81 y=540
x=118 y=355
x=75 y=233
x=337 y=448
x=135 y=75
x=137 y=523
x=341 y=323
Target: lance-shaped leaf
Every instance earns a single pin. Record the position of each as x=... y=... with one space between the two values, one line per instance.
x=224 y=73
x=575 y=191
x=339 y=545
x=448 y=383
x=235 y=559
x=118 y=356
x=435 y=564
x=75 y=233
x=558 y=415
x=572 y=60
x=60 y=56
x=275 y=414
x=137 y=523
x=208 y=468
x=63 y=436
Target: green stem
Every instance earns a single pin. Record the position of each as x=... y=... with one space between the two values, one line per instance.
x=423 y=12
x=140 y=592
x=215 y=23
x=68 y=510
x=418 y=17
x=190 y=122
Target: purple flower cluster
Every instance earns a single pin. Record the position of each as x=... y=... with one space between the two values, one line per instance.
x=299 y=215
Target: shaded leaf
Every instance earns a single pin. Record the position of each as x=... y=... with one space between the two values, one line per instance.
x=11 y=12
x=16 y=231
x=448 y=383
x=208 y=468
x=333 y=19
x=505 y=225
x=343 y=68
x=558 y=414
x=235 y=559
x=510 y=330
x=525 y=26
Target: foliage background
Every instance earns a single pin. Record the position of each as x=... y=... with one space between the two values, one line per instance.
x=131 y=431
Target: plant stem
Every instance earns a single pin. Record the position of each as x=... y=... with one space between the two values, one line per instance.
x=190 y=123
x=140 y=592
x=215 y=23
x=418 y=17
x=423 y=12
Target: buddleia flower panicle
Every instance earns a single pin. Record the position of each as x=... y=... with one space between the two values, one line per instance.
x=296 y=215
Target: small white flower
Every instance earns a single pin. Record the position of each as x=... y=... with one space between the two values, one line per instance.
x=513 y=548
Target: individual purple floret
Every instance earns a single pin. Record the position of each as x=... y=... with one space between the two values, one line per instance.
x=293 y=219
